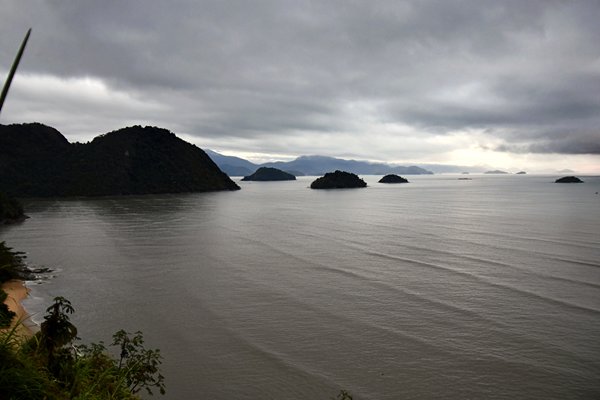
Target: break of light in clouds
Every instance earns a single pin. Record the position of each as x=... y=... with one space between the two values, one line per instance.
x=512 y=84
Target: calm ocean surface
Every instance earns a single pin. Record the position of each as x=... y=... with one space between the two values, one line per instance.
x=439 y=289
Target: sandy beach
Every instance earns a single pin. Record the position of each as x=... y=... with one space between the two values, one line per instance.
x=17 y=291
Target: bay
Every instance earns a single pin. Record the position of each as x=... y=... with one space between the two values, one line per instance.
x=440 y=288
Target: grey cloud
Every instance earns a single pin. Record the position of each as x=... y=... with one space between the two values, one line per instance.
x=568 y=144
x=250 y=69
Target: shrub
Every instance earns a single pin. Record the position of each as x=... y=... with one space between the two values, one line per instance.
x=48 y=365
x=138 y=365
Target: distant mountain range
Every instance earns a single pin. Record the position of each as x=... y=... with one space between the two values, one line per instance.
x=312 y=165
x=232 y=166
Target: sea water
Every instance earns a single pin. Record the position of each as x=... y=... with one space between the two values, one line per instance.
x=441 y=288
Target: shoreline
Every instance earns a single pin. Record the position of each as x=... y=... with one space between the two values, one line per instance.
x=17 y=292
x=12 y=221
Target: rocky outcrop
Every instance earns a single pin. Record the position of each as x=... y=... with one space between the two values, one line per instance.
x=568 y=179
x=11 y=211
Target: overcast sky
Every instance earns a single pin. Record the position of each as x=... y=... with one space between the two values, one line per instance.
x=507 y=84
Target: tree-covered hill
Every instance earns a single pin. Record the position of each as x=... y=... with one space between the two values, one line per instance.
x=37 y=161
x=338 y=180
x=269 y=174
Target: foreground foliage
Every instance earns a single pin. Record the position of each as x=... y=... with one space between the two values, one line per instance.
x=50 y=366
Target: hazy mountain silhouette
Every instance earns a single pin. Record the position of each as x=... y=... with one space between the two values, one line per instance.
x=232 y=166
x=314 y=165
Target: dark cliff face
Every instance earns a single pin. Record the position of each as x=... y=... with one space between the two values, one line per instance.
x=269 y=174
x=38 y=161
x=338 y=180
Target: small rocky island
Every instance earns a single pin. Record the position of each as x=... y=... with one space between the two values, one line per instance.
x=264 y=174
x=338 y=180
x=521 y=173
x=393 y=178
x=568 y=179
x=496 y=171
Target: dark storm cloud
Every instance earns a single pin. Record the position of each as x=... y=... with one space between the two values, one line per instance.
x=564 y=143
x=525 y=72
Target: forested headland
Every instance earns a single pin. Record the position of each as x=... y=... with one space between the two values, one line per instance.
x=38 y=161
